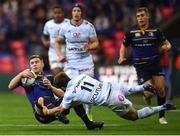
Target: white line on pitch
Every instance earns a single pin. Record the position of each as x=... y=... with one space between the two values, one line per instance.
x=41 y=125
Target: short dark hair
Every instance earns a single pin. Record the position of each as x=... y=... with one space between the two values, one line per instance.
x=61 y=80
x=57 y=7
x=35 y=56
x=79 y=6
x=140 y=9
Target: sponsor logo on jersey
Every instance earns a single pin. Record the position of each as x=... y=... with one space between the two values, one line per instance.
x=150 y=34
x=76 y=35
x=76 y=49
x=137 y=34
x=121 y=98
x=96 y=93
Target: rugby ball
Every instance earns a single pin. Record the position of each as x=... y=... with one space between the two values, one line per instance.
x=27 y=82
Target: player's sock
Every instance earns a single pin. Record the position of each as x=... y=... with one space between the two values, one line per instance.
x=88 y=111
x=88 y=108
x=80 y=111
x=134 y=89
x=161 y=100
x=148 y=111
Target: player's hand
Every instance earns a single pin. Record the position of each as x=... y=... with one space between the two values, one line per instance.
x=121 y=60
x=46 y=82
x=62 y=58
x=163 y=49
x=45 y=110
x=27 y=73
x=87 y=46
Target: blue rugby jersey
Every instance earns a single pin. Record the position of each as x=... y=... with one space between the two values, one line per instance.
x=145 y=44
x=38 y=90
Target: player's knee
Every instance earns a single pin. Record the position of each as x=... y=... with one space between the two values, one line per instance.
x=40 y=100
x=160 y=90
x=44 y=119
x=134 y=117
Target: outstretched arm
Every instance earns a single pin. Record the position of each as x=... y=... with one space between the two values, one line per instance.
x=59 y=109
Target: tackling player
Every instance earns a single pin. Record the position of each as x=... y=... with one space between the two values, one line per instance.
x=44 y=89
x=147 y=42
x=84 y=89
x=81 y=38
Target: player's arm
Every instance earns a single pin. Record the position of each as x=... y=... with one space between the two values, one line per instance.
x=166 y=46
x=93 y=44
x=124 y=48
x=122 y=54
x=45 y=37
x=57 y=46
x=15 y=82
x=59 y=92
x=58 y=109
x=45 y=40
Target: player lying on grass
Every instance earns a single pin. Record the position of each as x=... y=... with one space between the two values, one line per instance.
x=84 y=89
x=42 y=88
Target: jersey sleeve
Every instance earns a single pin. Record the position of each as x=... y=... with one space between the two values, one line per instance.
x=45 y=29
x=92 y=31
x=127 y=39
x=67 y=99
x=161 y=37
x=62 y=31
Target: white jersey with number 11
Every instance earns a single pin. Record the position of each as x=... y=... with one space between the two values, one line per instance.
x=85 y=89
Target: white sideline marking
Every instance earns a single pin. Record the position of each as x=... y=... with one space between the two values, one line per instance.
x=42 y=125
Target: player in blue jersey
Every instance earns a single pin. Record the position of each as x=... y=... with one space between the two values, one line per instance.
x=80 y=37
x=43 y=88
x=50 y=33
x=85 y=89
x=147 y=43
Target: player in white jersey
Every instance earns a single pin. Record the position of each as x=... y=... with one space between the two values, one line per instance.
x=84 y=89
x=50 y=33
x=80 y=37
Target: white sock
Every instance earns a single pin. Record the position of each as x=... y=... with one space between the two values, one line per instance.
x=131 y=90
x=148 y=111
x=88 y=108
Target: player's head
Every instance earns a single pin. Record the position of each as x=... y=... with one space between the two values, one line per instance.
x=77 y=12
x=58 y=13
x=142 y=16
x=61 y=80
x=36 y=63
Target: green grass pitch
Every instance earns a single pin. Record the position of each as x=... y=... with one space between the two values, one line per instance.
x=16 y=118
